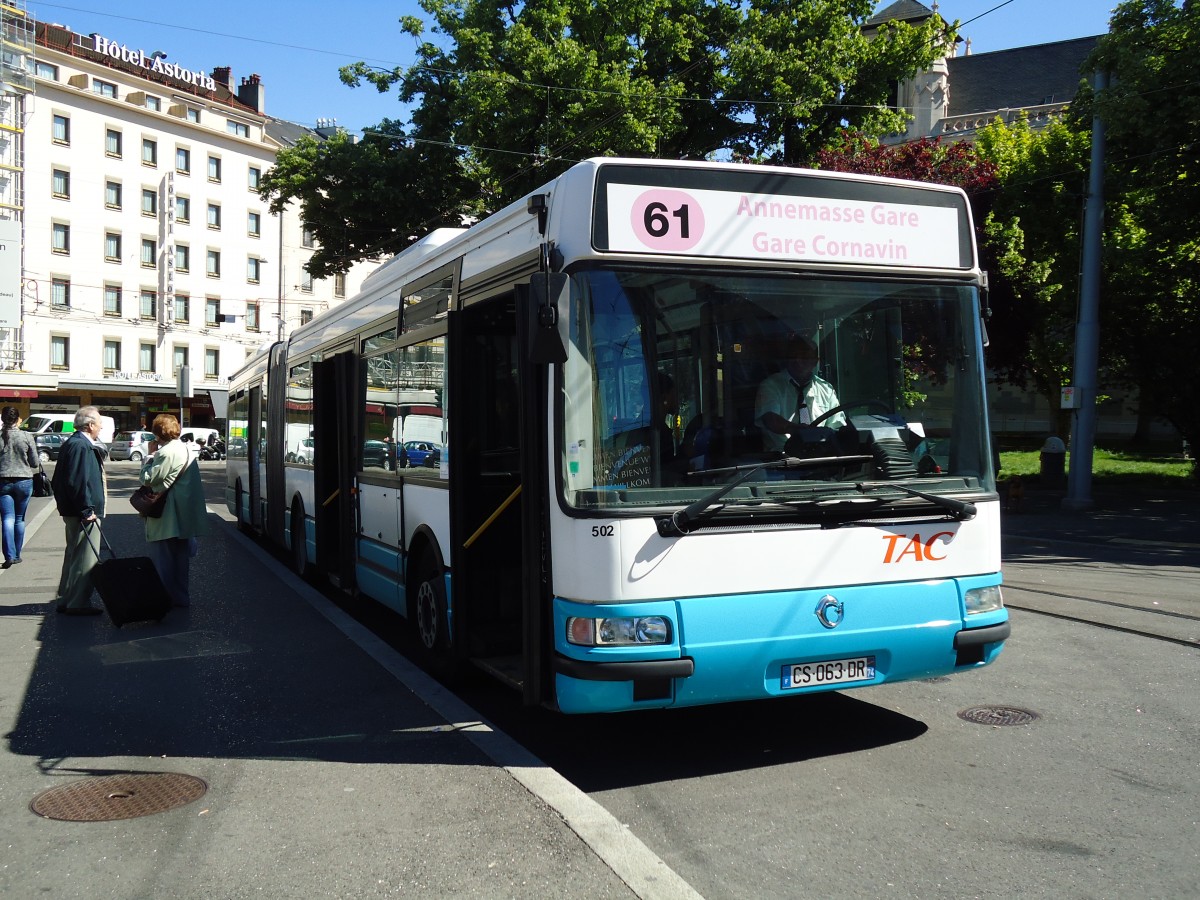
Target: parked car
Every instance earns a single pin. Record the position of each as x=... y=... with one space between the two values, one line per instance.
x=48 y=445
x=422 y=453
x=130 y=445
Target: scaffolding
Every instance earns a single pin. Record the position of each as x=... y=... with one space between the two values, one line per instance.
x=18 y=67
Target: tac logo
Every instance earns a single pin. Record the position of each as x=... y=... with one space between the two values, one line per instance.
x=900 y=546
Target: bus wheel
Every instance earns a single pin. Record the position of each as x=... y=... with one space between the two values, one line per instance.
x=239 y=498
x=299 y=543
x=427 y=613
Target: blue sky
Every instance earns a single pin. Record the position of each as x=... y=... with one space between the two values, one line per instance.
x=297 y=47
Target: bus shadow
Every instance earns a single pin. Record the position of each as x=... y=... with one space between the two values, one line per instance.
x=247 y=672
x=600 y=753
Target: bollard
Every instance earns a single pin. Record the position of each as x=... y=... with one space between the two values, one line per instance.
x=1053 y=462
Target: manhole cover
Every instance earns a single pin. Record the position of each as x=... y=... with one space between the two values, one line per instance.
x=998 y=715
x=118 y=797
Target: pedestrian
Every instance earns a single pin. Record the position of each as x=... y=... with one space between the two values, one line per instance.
x=173 y=535
x=79 y=494
x=18 y=462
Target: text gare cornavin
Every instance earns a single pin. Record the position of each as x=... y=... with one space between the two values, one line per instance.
x=882 y=214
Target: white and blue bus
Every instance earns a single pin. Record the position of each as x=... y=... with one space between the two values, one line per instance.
x=595 y=509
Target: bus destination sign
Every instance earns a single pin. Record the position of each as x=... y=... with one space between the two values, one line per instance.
x=732 y=224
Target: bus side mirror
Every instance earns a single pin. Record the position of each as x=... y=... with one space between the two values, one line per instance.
x=546 y=317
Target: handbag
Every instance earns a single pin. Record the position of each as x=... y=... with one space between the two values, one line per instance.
x=41 y=484
x=148 y=503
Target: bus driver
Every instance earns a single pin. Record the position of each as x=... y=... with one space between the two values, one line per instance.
x=793 y=397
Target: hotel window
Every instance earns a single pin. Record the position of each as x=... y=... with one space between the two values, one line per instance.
x=112 y=142
x=339 y=285
x=153 y=103
x=149 y=305
x=104 y=88
x=149 y=253
x=306 y=283
x=306 y=237
x=212 y=311
x=252 y=317
x=253 y=266
x=60 y=238
x=61 y=130
x=183 y=303
x=179 y=358
x=112 y=356
x=214 y=168
x=112 y=246
x=254 y=224
x=254 y=177
x=306 y=316
x=112 y=194
x=183 y=160
x=149 y=152
x=112 y=300
x=60 y=184
x=149 y=202
x=193 y=114
x=214 y=216
x=183 y=210
x=60 y=293
x=238 y=129
x=212 y=363
x=146 y=359
x=60 y=351
x=212 y=266
x=183 y=258
x=45 y=70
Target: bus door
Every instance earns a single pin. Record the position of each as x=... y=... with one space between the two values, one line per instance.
x=255 y=438
x=336 y=449
x=486 y=488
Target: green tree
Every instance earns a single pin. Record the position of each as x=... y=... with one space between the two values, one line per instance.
x=1032 y=235
x=804 y=72
x=1151 y=112
x=368 y=198
x=504 y=97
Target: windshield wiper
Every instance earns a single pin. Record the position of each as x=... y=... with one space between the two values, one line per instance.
x=960 y=509
x=681 y=521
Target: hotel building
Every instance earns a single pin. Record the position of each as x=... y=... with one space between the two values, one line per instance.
x=129 y=182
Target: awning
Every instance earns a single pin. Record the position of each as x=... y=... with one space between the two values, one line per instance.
x=27 y=381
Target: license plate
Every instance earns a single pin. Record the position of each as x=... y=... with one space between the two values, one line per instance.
x=830 y=671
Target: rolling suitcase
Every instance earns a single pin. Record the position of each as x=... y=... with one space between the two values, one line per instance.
x=129 y=587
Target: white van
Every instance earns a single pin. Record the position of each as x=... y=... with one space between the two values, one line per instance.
x=64 y=423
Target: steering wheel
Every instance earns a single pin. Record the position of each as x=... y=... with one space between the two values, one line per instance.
x=856 y=404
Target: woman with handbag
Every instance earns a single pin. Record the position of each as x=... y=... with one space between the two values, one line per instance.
x=18 y=463
x=172 y=535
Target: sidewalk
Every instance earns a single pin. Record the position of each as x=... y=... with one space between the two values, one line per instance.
x=326 y=774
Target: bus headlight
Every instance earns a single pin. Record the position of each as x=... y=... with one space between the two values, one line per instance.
x=618 y=631
x=983 y=599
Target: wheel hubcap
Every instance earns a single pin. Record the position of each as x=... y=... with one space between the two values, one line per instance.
x=427 y=615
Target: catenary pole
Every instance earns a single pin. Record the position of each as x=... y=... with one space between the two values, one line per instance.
x=1087 y=329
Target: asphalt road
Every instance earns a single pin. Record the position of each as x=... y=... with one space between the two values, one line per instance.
x=882 y=792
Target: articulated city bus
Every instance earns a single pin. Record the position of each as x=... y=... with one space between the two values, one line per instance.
x=661 y=434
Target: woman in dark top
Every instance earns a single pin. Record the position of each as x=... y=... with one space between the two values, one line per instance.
x=18 y=462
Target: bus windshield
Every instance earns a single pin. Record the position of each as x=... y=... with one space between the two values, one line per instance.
x=832 y=385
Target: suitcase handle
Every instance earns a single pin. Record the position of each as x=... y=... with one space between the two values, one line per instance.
x=83 y=526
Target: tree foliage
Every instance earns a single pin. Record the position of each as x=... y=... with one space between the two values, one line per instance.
x=1151 y=113
x=506 y=96
x=348 y=192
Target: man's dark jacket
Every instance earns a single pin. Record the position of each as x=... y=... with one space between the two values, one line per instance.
x=78 y=480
